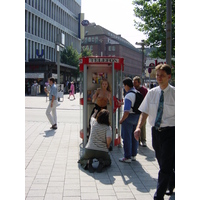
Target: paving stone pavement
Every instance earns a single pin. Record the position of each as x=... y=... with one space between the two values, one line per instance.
x=52 y=171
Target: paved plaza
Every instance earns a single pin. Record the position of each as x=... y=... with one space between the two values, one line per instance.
x=51 y=168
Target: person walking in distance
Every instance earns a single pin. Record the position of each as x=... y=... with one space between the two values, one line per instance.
x=143 y=90
x=52 y=103
x=159 y=105
x=71 y=90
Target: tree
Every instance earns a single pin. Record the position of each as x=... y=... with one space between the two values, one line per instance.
x=152 y=22
x=70 y=56
x=86 y=52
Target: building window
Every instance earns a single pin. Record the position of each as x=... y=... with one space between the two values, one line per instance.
x=92 y=39
x=109 y=48
x=96 y=39
x=89 y=39
x=29 y=22
x=91 y=47
x=25 y=50
x=113 y=48
x=36 y=25
x=36 y=4
x=26 y=17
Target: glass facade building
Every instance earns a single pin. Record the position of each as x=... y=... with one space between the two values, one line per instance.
x=45 y=20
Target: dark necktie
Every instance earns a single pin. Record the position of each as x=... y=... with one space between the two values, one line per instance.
x=160 y=111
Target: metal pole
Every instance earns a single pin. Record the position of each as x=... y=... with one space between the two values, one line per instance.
x=58 y=63
x=113 y=114
x=142 y=43
x=85 y=105
x=168 y=32
x=142 y=63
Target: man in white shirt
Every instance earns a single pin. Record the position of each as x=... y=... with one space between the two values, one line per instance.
x=163 y=130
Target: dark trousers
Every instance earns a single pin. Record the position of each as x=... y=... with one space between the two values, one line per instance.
x=102 y=156
x=163 y=142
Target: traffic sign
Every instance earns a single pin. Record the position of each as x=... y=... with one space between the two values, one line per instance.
x=85 y=22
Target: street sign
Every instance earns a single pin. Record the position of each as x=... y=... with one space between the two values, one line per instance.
x=85 y=22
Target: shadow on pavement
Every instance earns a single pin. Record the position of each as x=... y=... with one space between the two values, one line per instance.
x=49 y=133
x=172 y=197
x=149 y=153
x=132 y=173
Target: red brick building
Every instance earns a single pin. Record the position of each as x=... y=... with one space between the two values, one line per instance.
x=103 y=42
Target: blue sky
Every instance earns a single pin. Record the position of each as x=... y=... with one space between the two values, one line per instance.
x=114 y=15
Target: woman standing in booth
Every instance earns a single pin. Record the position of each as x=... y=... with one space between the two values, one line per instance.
x=101 y=98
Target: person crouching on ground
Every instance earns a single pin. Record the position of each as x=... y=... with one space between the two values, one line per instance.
x=99 y=142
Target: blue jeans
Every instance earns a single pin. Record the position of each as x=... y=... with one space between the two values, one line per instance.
x=127 y=132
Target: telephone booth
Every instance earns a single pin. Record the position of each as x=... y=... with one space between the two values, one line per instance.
x=92 y=71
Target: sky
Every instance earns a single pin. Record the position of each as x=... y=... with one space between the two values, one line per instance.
x=115 y=15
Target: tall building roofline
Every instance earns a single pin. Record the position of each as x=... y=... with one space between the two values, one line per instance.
x=93 y=29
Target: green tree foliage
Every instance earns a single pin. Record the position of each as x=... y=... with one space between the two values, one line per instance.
x=86 y=52
x=152 y=22
x=70 y=56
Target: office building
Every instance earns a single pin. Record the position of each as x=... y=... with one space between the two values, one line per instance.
x=47 y=23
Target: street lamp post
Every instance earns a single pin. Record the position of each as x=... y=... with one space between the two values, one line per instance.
x=142 y=44
x=59 y=45
x=168 y=32
x=58 y=63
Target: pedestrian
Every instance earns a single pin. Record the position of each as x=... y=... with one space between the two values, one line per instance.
x=143 y=90
x=52 y=103
x=128 y=122
x=71 y=90
x=159 y=105
x=99 y=142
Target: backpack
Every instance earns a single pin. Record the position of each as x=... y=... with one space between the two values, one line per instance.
x=138 y=101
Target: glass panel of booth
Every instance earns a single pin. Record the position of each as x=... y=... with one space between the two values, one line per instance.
x=81 y=104
x=95 y=75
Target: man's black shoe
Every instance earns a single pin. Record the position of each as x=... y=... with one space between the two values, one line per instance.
x=100 y=167
x=54 y=126
x=90 y=168
x=169 y=192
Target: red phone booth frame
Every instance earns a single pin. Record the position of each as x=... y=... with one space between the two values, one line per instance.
x=113 y=66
